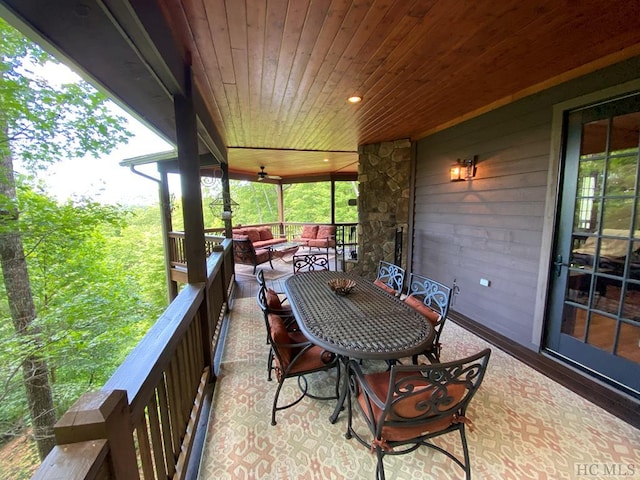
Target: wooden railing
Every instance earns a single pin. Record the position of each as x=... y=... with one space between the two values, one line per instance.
x=212 y=243
x=142 y=423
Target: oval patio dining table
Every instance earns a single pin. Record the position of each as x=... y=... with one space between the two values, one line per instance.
x=368 y=323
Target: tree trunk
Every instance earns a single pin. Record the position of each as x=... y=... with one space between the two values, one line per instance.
x=23 y=312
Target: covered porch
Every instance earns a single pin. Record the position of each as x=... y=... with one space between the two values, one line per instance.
x=236 y=85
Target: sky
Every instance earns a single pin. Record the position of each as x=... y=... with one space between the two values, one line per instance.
x=103 y=179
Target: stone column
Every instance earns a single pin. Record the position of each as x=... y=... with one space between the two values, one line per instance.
x=383 y=204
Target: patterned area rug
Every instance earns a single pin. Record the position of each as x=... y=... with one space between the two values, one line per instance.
x=280 y=269
x=526 y=426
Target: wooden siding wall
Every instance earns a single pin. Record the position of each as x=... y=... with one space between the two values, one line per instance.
x=492 y=226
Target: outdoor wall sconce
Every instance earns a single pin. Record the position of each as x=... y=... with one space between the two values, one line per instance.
x=464 y=169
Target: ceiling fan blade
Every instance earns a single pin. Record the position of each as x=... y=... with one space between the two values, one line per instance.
x=274 y=177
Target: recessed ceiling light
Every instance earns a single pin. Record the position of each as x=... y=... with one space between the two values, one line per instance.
x=325 y=160
x=354 y=99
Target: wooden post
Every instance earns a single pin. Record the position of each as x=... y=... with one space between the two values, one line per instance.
x=165 y=216
x=189 y=167
x=102 y=415
x=281 y=209
x=226 y=199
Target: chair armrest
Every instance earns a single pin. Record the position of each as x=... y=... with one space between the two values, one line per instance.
x=354 y=368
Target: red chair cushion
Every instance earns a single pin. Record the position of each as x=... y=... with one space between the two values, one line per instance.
x=432 y=315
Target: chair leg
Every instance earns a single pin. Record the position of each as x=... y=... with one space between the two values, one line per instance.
x=275 y=404
x=465 y=450
x=269 y=364
x=380 y=465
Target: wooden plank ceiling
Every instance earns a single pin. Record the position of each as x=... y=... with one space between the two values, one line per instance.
x=276 y=74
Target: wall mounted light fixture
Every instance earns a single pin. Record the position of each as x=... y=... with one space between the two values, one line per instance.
x=463 y=169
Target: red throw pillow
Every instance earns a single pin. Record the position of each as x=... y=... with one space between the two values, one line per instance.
x=265 y=233
x=325 y=231
x=309 y=231
x=385 y=287
x=432 y=315
x=273 y=301
x=280 y=336
x=253 y=234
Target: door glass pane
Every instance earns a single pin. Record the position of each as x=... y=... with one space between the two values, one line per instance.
x=582 y=252
x=631 y=303
x=588 y=194
x=601 y=331
x=616 y=215
x=574 y=321
x=624 y=132
x=608 y=295
x=634 y=262
x=586 y=214
x=578 y=285
x=613 y=254
x=594 y=137
x=629 y=341
x=636 y=228
x=621 y=176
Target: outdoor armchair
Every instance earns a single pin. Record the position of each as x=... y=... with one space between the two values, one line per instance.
x=405 y=407
x=431 y=299
x=390 y=278
x=293 y=356
x=245 y=253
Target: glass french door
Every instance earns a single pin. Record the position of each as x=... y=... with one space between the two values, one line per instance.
x=594 y=309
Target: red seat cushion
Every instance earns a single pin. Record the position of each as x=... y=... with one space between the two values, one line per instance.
x=412 y=406
x=263 y=255
x=313 y=358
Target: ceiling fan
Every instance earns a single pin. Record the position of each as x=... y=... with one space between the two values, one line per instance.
x=262 y=175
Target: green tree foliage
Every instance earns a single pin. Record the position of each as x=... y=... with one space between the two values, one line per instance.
x=40 y=123
x=303 y=202
x=89 y=307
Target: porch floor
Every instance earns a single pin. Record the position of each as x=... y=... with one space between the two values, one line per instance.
x=525 y=425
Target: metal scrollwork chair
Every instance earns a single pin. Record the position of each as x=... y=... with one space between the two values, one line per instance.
x=407 y=406
x=293 y=356
x=310 y=262
x=276 y=301
x=431 y=299
x=390 y=278
x=270 y=303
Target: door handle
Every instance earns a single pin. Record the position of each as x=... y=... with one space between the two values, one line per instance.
x=559 y=264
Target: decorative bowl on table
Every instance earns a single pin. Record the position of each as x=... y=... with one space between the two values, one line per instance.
x=341 y=286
